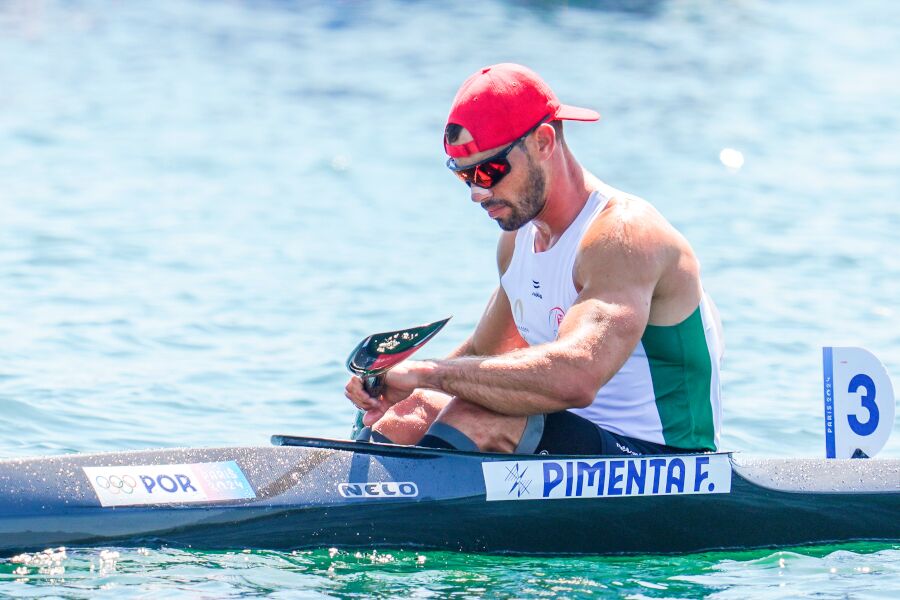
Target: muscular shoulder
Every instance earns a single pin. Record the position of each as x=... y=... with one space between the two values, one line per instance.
x=631 y=244
x=629 y=233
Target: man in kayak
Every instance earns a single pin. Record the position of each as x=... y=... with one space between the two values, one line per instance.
x=599 y=338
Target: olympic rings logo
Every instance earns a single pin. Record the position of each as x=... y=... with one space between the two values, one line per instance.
x=115 y=484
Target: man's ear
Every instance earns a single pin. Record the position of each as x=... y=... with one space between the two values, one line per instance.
x=545 y=136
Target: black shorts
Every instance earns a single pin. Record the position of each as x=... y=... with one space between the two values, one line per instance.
x=567 y=433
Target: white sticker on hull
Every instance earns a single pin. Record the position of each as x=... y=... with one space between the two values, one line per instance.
x=607 y=477
x=139 y=485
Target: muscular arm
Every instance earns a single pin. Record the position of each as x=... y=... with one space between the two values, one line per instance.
x=495 y=333
x=617 y=271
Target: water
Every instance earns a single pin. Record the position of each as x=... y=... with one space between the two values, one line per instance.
x=205 y=205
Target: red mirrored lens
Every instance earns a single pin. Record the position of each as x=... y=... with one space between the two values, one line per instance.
x=492 y=172
x=485 y=175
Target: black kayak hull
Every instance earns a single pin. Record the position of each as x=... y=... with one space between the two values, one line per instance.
x=315 y=493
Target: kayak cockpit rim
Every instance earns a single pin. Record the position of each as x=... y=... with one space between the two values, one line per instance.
x=418 y=451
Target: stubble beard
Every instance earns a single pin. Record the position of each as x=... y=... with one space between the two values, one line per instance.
x=532 y=202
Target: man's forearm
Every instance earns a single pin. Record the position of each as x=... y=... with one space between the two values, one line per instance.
x=516 y=383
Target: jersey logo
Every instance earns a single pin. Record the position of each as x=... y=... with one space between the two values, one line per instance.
x=556 y=317
x=519 y=316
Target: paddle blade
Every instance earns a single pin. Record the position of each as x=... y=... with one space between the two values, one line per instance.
x=381 y=351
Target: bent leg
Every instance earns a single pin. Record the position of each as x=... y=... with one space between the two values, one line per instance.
x=407 y=421
x=488 y=430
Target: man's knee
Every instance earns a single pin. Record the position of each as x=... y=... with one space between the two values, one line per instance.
x=407 y=421
x=490 y=431
x=463 y=410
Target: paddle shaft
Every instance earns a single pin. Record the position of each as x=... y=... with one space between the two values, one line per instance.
x=374 y=385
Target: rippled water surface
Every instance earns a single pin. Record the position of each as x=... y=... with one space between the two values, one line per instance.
x=205 y=205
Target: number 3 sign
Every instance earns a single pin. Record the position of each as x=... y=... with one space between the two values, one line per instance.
x=859 y=403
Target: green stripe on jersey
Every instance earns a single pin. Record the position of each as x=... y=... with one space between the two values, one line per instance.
x=680 y=368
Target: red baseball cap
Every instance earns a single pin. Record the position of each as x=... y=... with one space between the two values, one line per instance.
x=499 y=103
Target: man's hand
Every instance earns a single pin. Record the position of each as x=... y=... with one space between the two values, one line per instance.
x=399 y=383
x=373 y=407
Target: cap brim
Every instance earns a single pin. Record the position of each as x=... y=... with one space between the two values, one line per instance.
x=575 y=113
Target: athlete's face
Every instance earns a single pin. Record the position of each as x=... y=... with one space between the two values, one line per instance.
x=516 y=201
x=519 y=196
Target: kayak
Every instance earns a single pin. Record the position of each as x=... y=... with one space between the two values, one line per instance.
x=317 y=493
x=305 y=492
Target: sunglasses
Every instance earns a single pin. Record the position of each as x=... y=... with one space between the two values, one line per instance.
x=490 y=171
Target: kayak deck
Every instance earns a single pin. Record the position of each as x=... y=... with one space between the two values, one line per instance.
x=821 y=475
x=312 y=492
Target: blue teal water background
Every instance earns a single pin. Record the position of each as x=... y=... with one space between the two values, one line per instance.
x=205 y=205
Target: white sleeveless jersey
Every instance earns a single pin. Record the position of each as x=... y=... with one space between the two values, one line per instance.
x=668 y=391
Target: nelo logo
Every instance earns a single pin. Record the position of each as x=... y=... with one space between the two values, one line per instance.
x=379 y=489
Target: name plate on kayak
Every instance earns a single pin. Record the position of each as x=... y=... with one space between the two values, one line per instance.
x=139 y=485
x=607 y=477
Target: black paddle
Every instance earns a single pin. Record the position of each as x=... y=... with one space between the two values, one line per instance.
x=380 y=352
